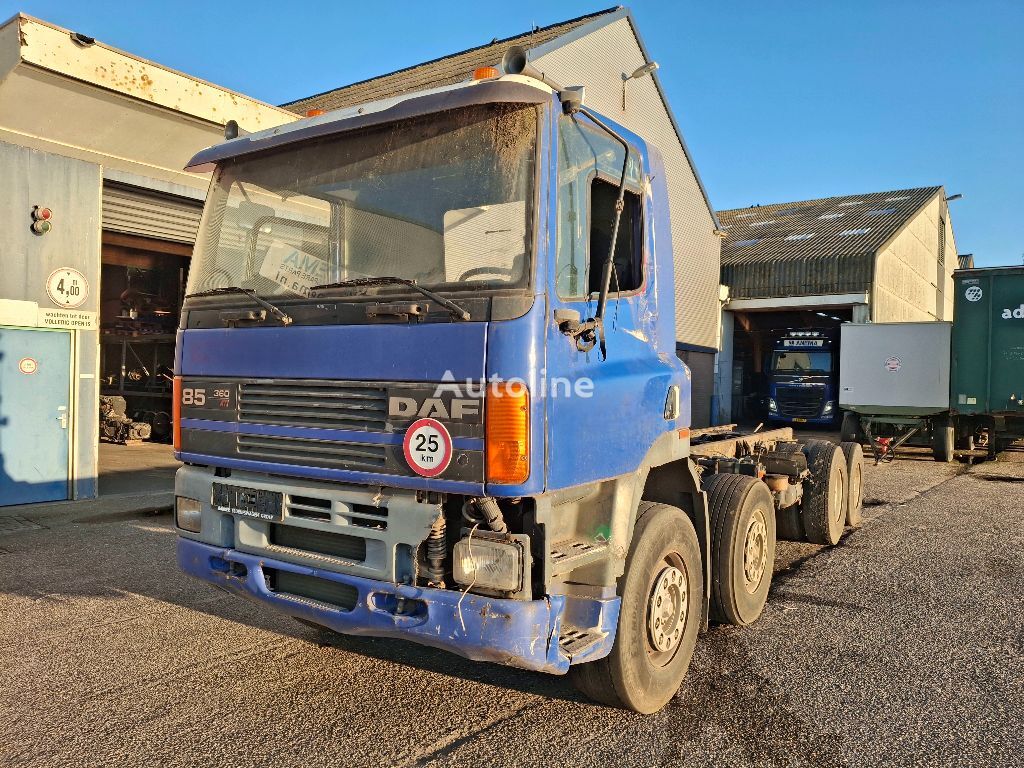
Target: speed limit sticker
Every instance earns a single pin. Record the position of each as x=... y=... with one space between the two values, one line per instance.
x=427 y=447
x=67 y=287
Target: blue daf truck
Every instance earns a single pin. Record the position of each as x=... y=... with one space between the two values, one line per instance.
x=426 y=388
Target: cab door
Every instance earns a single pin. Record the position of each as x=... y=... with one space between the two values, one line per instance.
x=603 y=414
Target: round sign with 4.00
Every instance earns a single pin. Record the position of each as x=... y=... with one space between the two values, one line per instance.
x=427 y=447
x=67 y=287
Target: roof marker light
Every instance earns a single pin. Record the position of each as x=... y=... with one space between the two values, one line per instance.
x=314 y=112
x=485 y=73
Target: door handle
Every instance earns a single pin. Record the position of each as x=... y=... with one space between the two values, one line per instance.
x=62 y=416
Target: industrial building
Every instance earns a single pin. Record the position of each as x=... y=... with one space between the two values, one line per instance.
x=99 y=221
x=604 y=53
x=809 y=266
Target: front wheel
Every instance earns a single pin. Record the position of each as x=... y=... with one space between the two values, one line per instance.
x=662 y=593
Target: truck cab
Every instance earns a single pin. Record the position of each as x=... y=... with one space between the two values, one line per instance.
x=426 y=388
x=802 y=378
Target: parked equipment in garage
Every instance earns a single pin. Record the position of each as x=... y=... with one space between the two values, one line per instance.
x=958 y=387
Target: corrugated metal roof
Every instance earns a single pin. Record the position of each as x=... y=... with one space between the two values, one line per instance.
x=813 y=247
x=447 y=70
x=965 y=261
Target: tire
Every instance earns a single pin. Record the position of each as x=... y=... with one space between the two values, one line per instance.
x=854 y=483
x=742 y=548
x=943 y=440
x=637 y=675
x=850 y=431
x=823 y=510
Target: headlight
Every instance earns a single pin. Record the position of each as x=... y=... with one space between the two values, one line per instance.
x=490 y=564
x=188 y=514
x=829 y=405
x=772 y=405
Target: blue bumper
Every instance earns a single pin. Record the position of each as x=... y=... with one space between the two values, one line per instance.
x=517 y=633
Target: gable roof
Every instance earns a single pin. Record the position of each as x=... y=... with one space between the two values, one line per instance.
x=813 y=247
x=816 y=227
x=446 y=70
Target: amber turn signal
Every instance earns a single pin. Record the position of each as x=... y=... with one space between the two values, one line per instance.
x=176 y=412
x=507 y=445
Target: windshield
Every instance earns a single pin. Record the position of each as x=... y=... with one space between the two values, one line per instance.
x=802 y=362
x=445 y=200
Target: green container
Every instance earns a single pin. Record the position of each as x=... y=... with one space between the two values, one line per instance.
x=987 y=375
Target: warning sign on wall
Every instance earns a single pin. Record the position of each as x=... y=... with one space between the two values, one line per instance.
x=66 y=318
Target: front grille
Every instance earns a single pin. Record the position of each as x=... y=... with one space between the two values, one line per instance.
x=323 y=404
x=319 y=542
x=799 y=402
x=343 y=596
x=307 y=452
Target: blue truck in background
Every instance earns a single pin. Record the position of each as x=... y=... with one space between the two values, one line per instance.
x=426 y=388
x=803 y=378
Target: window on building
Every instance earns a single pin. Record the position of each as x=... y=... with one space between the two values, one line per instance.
x=895 y=199
x=848 y=232
x=829 y=216
x=850 y=202
x=804 y=236
x=745 y=243
x=881 y=211
x=763 y=223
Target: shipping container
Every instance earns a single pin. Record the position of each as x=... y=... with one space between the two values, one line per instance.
x=988 y=342
x=899 y=369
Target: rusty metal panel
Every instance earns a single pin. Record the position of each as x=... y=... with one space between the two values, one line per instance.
x=54 y=49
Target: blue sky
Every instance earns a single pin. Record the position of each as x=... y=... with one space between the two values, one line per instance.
x=778 y=100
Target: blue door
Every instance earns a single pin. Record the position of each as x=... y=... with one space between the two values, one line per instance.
x=35 y=415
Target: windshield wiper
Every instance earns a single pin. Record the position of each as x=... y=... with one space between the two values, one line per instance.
x=453 y=309
x=285 y=318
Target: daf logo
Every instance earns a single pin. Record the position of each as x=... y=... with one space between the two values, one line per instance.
x=432 y=407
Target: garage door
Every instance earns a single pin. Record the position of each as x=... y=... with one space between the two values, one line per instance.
x=143 y=212
x=702 y=385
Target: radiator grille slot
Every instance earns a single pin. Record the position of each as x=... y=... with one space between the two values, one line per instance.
x=800 y=402
x=322 y=404
x=319 y=542
x=301 y=450
x=343 y=596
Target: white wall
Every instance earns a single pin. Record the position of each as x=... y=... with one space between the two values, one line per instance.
x=598 y=60
x=906 y=271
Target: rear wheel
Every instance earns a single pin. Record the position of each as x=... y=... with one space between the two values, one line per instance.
x=662 y=600
x=943 y=440
x=824 y=504
x=742 y=547
x=854 y=483
x=850 y=430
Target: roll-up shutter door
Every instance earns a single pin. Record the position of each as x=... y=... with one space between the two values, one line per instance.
x=146 y=213
x=702 y=385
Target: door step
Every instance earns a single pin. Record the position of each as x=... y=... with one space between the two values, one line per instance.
x=575 y=641
x=570 y=554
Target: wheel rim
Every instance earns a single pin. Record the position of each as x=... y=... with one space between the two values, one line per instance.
x=755 y=551
x=836 y=494
x=667 y=609
x=855 y=488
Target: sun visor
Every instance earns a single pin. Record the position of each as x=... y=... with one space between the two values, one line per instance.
x=489 y=92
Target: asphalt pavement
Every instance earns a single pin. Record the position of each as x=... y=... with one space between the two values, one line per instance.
x=902 y=646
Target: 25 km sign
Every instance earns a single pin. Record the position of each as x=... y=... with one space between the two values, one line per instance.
x=427 y=447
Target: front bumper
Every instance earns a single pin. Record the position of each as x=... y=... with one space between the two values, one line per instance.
x=519 y=633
